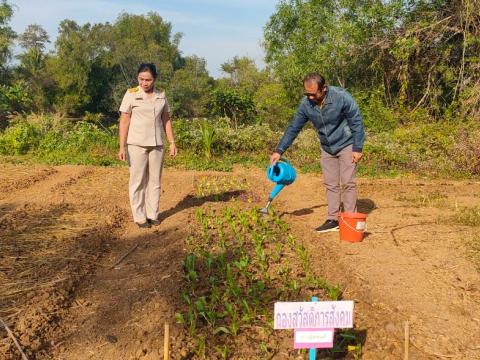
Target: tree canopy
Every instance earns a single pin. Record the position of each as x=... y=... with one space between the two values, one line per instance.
x=402 y=54
x=419 y=53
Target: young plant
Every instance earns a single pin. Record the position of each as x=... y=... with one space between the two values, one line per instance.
x=189 y=268
x=208 y=137
x=334 y=293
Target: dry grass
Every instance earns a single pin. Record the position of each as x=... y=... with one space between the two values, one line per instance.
x=212 y=185
x=428 y=199
x=40 y=249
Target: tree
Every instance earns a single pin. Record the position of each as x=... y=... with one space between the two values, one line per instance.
x=190 y=88
x=144 y=38
x=8 y=94
x=435 y=57
x=32 y=66
x=7 y=35
x=419 y=53
x=243 y=75
x=95 y=64
x=33 y=40
x=77 y=50
x=328 y=36
x=136 y=39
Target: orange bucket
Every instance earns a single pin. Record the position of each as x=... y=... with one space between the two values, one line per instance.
x=352 y=226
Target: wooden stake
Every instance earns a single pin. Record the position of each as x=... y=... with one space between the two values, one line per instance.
x=10 y=333
x=166 y=338
x=407 y=340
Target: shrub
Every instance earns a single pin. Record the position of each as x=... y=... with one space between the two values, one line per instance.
x=377 y=117
x=248 y=138
x=58 y=141
x=15 y=98
x=465 y=151
x=239 y=108
x=273 y=105
x=207 y=131
x=19 y=138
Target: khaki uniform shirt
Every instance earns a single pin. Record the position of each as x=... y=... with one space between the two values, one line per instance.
x=146 y=127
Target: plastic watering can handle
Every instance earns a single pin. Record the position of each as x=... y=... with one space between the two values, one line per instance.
x=270 y=168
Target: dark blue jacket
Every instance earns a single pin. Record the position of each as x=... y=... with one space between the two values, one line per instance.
x=338 y=122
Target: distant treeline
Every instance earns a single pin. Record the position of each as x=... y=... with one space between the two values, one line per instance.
x=92 y=65
x=403 y=60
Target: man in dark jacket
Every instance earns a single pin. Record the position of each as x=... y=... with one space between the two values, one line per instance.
x=339 y=124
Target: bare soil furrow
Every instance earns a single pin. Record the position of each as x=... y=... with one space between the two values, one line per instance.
x=22 y=182
x=61 y=234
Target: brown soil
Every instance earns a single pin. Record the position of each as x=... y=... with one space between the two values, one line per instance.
x=64 y=228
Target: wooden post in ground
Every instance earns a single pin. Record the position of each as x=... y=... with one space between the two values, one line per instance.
x=166 y=337
x=407 y=340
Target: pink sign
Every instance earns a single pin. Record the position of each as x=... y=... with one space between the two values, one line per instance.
x=313 y=339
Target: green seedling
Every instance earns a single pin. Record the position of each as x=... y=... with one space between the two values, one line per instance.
x=334 y=293
x=205 y=311
x=242 y=264
x=232 y=313
x=189 y=268
x=303 y=253
x=200 y=347
x=228 y=285
x=355 y=350
x=208 y=259
x=222 y=351
x=179 y=318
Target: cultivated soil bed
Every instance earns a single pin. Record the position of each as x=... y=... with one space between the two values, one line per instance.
x=65 y=294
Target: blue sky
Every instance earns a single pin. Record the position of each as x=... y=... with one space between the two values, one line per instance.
x=216 y=30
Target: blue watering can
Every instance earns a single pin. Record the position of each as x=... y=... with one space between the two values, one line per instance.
x=282 y=173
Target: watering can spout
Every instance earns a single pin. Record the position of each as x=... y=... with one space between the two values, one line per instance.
x=276 y=189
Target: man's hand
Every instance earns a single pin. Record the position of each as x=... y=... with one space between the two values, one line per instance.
x=356 y=156
x=274 y=158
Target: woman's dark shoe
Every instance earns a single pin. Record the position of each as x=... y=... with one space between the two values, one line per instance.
x=144 y=225
x=154 y=222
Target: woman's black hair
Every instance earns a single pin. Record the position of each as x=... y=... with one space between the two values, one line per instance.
x=150 y=67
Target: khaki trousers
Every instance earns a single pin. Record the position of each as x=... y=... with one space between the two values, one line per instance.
x=337 y=169
x=145 y=163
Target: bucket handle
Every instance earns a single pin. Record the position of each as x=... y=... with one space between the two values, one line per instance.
x=350 y=227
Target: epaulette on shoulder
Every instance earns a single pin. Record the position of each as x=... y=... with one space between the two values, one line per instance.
x=134 y=89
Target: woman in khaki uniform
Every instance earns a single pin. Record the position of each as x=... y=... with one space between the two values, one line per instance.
x=145 y=118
